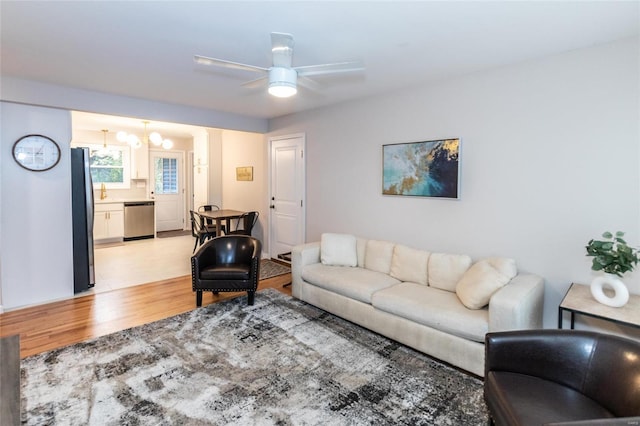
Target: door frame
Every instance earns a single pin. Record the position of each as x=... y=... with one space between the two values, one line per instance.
x=188 y=199
x=303 y=187
x=182 y=176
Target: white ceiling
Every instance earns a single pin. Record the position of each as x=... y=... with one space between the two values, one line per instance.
x=145 y=49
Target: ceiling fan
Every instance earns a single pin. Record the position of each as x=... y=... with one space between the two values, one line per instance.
x=282 y=78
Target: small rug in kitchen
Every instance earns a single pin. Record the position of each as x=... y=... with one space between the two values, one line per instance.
x=280 y=361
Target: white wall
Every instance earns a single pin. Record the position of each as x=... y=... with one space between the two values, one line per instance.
x=44 y=94
x=35 y=226
x=550 y=158
x=242 y=149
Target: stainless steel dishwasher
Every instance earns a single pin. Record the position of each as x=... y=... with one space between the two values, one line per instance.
x=139 y=220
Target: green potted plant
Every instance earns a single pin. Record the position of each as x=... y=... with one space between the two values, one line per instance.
x=614 y=257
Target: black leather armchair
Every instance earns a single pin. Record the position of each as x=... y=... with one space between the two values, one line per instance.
x=539 y=377
x=227 y=263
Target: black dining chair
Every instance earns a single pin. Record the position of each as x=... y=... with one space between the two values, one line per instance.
x=245 y=224
x=211 y=223
x=198 y=229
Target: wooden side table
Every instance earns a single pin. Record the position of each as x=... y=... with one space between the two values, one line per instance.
x=579 y=300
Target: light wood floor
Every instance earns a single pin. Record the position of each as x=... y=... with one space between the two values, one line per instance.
x=54 y=325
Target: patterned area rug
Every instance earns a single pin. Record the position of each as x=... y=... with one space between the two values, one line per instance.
x=270 y=269
x=280 y=362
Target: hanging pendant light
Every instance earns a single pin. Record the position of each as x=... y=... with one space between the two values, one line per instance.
x=154 y=138
x=104 y=150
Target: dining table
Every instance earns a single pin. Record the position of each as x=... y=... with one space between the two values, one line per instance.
x=226 y=215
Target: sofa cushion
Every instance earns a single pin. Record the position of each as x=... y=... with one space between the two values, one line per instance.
x=225 y=272
x=445 y=270
x=338 y=250
x=484 y=278
x=433 y=307
x=408 y=264
x=356 y=283
x=378 y=256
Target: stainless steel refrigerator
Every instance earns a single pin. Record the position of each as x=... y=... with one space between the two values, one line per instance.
x=82 y=213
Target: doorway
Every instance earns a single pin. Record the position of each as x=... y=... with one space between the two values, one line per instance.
x=167 y=188
x=287 y=206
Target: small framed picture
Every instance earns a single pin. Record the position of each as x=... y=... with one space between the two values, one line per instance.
x=244 y=173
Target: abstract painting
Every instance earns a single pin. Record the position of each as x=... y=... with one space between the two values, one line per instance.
x=423 y=169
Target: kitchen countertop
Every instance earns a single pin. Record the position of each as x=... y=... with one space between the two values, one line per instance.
x=123 y=200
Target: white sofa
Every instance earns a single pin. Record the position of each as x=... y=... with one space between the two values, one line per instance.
x=440 y=304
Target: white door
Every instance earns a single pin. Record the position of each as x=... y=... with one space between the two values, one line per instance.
x=167 y=187
x=287 y=205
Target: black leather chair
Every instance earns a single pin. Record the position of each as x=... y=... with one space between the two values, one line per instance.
x=199 y=231
x=227 y=263
x=569 y=377
x=248 y=221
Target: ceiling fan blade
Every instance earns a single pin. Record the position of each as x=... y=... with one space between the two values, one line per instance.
x=252 y=84
x=281 y=49
x=312 y=85
x=203 y=60
x=334 y=68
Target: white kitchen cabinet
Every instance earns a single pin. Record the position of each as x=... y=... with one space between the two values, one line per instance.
x=108 y=221
x=200 y=186
x=201 y=148
x=207 y=168
x=140 y=162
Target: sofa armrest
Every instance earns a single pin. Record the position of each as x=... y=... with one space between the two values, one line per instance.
x=302 y=255
x=517 y=305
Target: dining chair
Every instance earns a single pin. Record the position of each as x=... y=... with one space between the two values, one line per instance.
x=248 y=221
x=210 y=223
x=199 y=230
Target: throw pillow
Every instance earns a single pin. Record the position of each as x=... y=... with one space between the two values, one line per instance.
x=408 y=264
x=484 y=278
x=338 y=250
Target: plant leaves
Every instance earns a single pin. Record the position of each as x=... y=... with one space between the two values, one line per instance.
x=613 y=255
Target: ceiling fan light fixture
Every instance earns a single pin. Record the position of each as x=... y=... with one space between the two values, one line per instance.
x=282 y=82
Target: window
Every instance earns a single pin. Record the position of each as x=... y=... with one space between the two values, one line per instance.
x=109 y=166
x=166 y=178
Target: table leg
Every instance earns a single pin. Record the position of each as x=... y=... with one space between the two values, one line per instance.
x=573 y=320
x=218 y=227
x=560 y=310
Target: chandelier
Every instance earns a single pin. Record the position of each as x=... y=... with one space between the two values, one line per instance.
x=154 y=138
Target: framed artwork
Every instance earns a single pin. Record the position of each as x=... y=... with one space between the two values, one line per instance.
x=422 y=169
x=244 y=173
